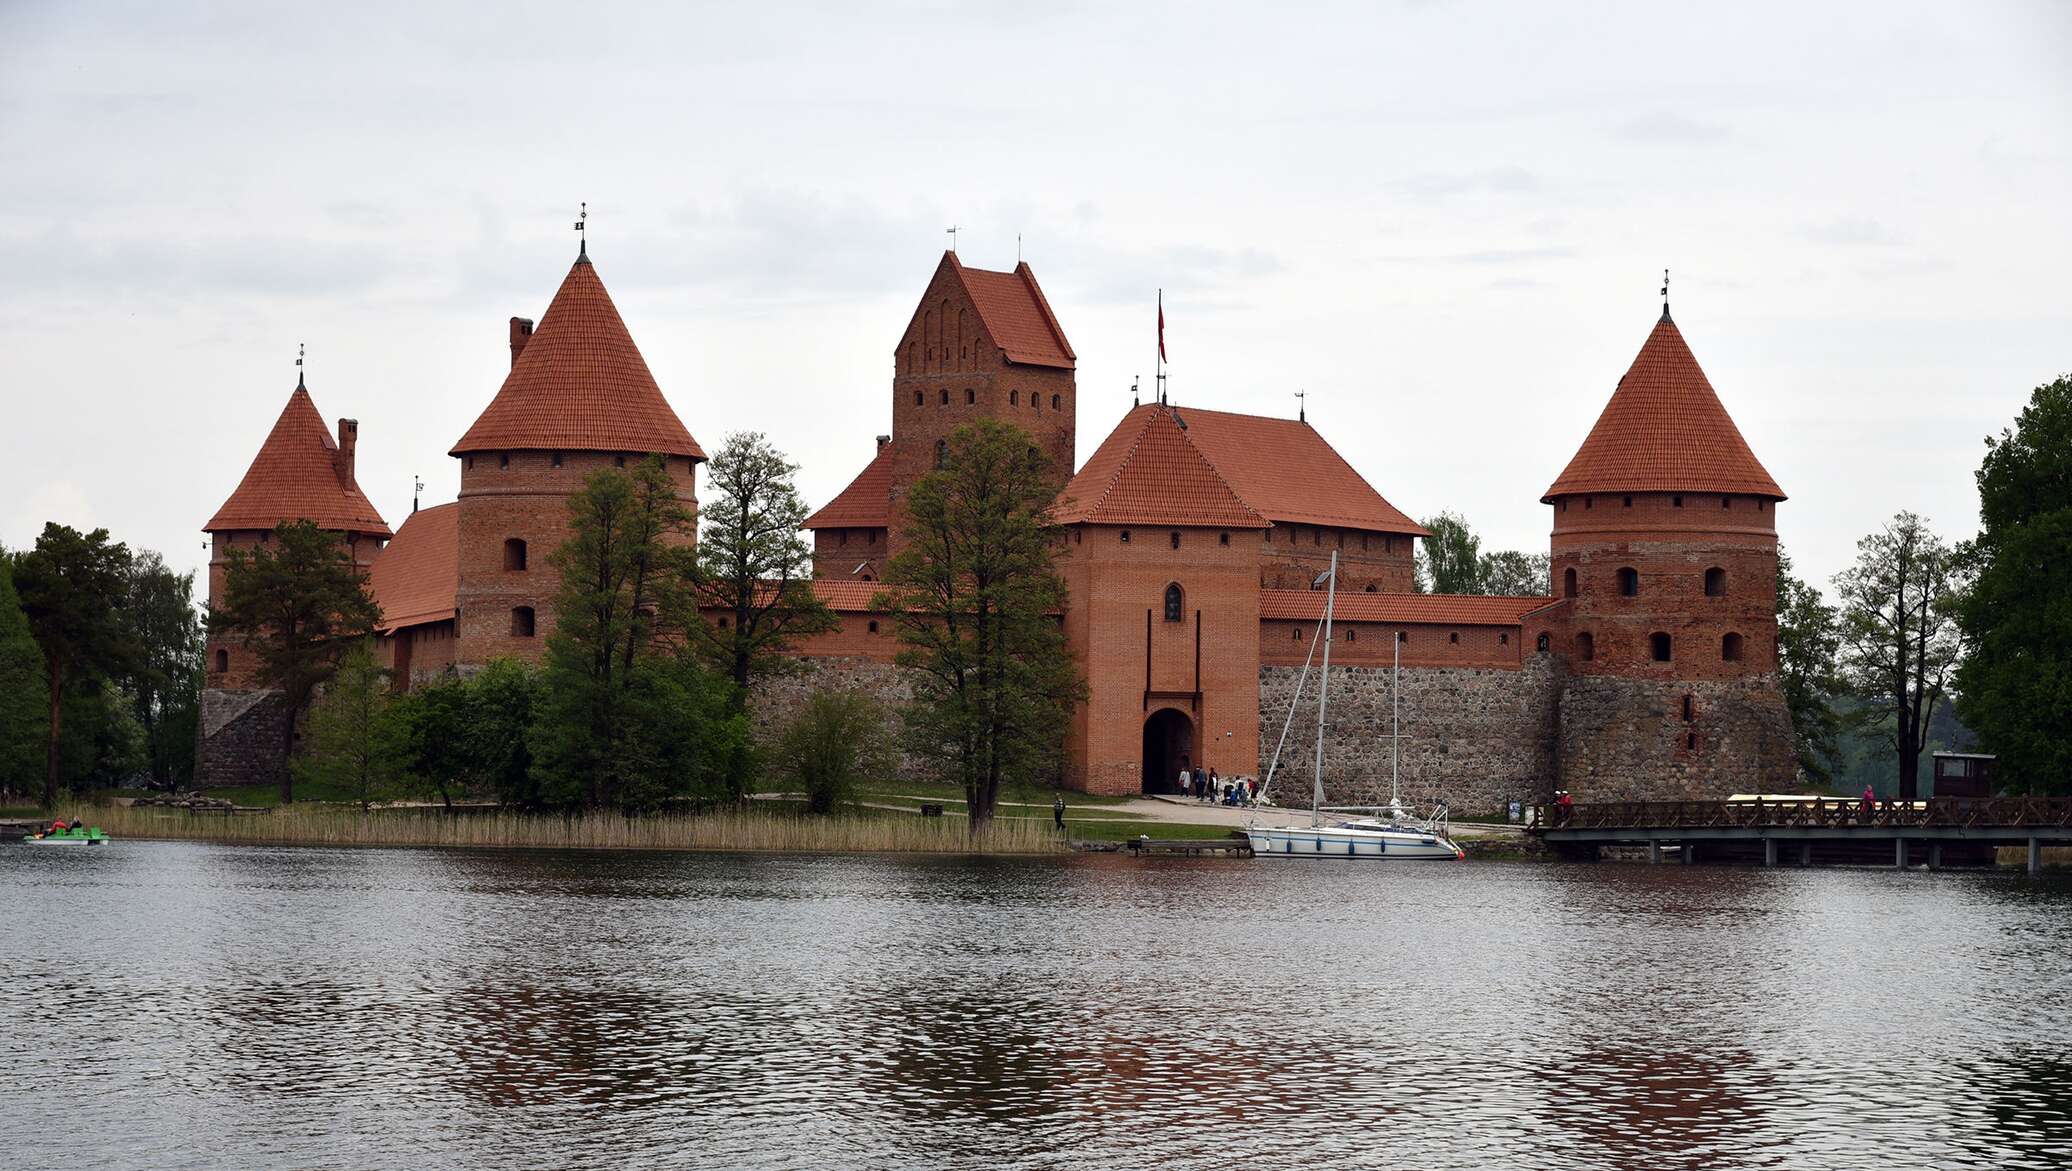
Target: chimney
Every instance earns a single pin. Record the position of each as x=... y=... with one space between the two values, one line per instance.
x=883 y=440
x=521 y=332
x=348 y=443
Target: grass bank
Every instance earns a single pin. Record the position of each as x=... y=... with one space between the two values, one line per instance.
x=726 y=829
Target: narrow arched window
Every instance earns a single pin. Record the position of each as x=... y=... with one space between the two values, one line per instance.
x=946 y=396
x=873 y=626
x=521 y=622
x=1175 y=602
x=1586 y=646
x=1176 y=538
x=942 y=453
x=1568 y=583
x=1541 y=645
x=1629 y=582
x=1715 y=582
x=1054 y=401
x=970 y=397
x=1371 y=588
x=222 y=661
x=1658 y=646
x=1014 y=398
x=919 y=400
x=1730 y=648
x=514 y=555
x=1690 y=709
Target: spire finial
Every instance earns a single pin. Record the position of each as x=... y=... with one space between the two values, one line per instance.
x=953 y=230
x=582 y=238
x=1136 y=399
x=416 y=490
x=1301 y=407
x=300 y=350
x=1017 y=249
x=1665 y=294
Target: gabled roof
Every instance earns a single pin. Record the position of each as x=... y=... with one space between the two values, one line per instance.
x=580 y=384
x=1284 y=471
x=1012 y=309
x=866 y=503
x=1664 y=430
x=297 y=476
x=1149 y=471
x=1432 y=609
x=415 y=578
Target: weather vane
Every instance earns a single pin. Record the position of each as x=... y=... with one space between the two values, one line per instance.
x=1301 y=408
x=416 y=490
x=953 y=230
x=300 y=350
x=582 y=241
x=1665 y=294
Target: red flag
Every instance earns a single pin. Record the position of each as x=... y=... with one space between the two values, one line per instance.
x=1161 y=325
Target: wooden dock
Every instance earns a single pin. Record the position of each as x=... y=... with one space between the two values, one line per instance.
x=1235 y=846
x=1939 y=831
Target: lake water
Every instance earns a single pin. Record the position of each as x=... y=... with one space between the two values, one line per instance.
x=221 y=1007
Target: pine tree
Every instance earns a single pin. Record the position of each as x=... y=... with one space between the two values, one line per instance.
x=23 y=699
x=70 y=586
x=351 y=745
x=752 y=565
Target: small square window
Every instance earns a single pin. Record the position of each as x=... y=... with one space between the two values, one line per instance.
x=1125 y=536
x=1223 y=538
x=557 y=459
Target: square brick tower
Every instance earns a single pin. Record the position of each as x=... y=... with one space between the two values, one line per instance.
x=980 y=345
x=1665 y=566
x=579 y=397
x=300 y=473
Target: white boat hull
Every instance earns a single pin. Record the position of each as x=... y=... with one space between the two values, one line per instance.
x=1330 y=841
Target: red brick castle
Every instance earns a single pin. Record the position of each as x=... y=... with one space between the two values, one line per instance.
x=1191 y=539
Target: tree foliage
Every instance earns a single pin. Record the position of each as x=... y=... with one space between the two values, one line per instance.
x=625 y=716
x=301 y=605
x=977 y=598
x=1809 y=641
x=469 y=737
x=1449 y=561
x=752 y=565
x=164 y=676
x=71 y=586
x=836 y=741
x=352 y=744
x=1900 y=639
x=24 y=704
x=2016 y=680
x=1510 y=573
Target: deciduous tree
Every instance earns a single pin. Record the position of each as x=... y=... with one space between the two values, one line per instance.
x=301 y=605
x=752 y=565
x=352 y=745
x=24 y=703
x=836 y=742
x=1900 y=639
x=2015 y=684
x=977 y=600
x=1449 y=561
x=162 y=678
x=1809 y=641
x=1510 y=573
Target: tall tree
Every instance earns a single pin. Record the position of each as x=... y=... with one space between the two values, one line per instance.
x=23 y=699
x=1510 y=573
x=2015 y=684
x=752 y=564
x=1449 y=561
x=625 y=717
x=353 y=747
x=469 y=735
x=977 y=598
x=1809 y=641
x=301 y=605
x=165 y=630
x=1900 y=639
x=71 y=584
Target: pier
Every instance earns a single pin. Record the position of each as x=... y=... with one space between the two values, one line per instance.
x=1953 y=831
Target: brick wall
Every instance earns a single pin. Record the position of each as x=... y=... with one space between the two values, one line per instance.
x=838 y=553
x=1294 y=555
x=521 y=495
x=240 y=738
x=1629 y=740
x=1473 y=737
x=231 y=665
x=415 y=655
x=1369 y=644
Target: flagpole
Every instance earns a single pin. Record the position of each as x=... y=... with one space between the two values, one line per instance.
x=1161 y=348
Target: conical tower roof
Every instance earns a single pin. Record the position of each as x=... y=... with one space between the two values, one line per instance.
x=297 y=475
x=580 y=384
x=1664 y=430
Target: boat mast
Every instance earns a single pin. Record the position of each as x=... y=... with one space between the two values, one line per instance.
x=1316 y=805
x=1396 y=725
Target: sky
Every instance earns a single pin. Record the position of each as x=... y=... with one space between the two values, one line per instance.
x=1445 y=223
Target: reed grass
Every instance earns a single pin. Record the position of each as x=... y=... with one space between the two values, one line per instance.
x=726 y=829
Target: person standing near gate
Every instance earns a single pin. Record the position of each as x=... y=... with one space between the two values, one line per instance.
x=1057 y=812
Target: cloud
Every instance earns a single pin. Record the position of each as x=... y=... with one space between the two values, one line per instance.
x=1488 y=256
x=1852 y=232
x=1493 y=181
x=1672 y=129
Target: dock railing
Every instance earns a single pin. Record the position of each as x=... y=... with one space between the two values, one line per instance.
x=1812 y=813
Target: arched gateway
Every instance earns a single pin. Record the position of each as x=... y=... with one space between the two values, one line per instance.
x=1168 y=747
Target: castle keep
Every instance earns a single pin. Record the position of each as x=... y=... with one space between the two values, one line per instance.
x=1191 y=539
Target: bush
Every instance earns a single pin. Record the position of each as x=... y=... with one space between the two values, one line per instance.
x=836 y=741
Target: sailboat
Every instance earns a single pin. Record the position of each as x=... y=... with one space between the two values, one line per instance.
x=1391 y=832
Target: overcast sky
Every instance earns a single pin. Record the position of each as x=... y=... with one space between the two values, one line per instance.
x=1445 y=222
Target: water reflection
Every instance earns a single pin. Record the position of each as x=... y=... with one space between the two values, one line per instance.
x=314 y=1008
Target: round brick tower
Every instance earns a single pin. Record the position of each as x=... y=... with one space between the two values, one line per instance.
x=1665 y=561
x=579 y=397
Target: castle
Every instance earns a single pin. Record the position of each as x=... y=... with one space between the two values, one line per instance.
x=1191 y=539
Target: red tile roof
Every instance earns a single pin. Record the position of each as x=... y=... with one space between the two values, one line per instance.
x=1017 y=317
x=1149 y=471
x=1664 y=430
x=415 y=578
x=296 y=476
x=1430 y=609
x=844 y=596
x=1280 y=469
x=580 y=384
x=866 y=503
